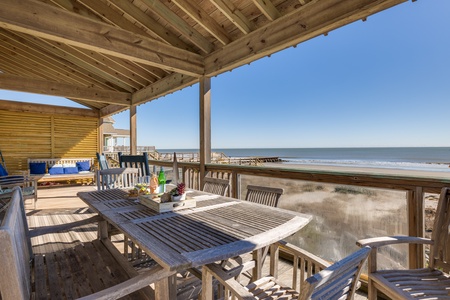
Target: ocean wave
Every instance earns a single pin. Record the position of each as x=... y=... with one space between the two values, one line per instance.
x=368 y=163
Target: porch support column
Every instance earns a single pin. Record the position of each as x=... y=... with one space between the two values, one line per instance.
x=101 y=140
x=205 y=126
x=133 y=130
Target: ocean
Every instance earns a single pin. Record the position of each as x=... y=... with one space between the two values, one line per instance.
x=408 y=158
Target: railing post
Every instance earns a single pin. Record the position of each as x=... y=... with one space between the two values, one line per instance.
x=416 y=226
x=235 y=187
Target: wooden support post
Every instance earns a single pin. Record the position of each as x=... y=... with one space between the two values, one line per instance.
x=207 y=285
x=257 y=270
x=166 y=288
x=205 y=126
x=235 y=186
x=101 y=141
x=133 y=130
x=416 y=226
x=274 y=258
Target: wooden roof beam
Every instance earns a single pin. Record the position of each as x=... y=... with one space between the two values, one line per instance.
x=268 y=9
x=167 y=85
x=309 y=21
x=47 y=109
x=46 y=87
x=234 y=15
x=55 y=24
x=204 y=19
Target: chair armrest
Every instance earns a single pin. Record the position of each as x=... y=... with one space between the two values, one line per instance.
x=129 y=286
x=299 y=252
x=228 y=281
x=57 y=228
x=390 y=240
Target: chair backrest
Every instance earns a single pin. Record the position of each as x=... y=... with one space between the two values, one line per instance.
x=339 y=281
x=216 y=186
x=16 y=252
x=263 y=195
x=102 y=161
x=440 y=250
x=117 y=178
x=135 y=161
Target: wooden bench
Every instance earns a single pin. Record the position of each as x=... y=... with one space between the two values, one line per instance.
x=50 y=162
x=92 y=270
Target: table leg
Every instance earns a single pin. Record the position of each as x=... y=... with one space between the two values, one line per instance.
x=166 y=289
x=102 y=230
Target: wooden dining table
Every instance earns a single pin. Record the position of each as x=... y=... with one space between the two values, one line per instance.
x=217 y=228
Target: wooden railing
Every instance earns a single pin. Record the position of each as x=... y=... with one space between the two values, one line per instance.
x=414 y=186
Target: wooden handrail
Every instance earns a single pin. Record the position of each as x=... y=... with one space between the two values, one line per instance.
x=414 y=183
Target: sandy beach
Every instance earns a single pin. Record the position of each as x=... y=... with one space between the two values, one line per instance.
x=344 y=214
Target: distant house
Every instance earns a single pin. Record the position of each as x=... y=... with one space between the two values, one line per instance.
x=114 y=139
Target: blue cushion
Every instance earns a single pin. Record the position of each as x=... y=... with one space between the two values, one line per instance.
x=70 y=170
x=83 y=166
x=55 y=170
x=37 y=168
x=3 y=171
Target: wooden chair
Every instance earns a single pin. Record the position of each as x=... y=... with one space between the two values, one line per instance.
x=135 y=161
x=25 y=182
x=92 y=270
x=338 y=281
x=216 y=186
x=117 y=178
x=263 y=195
x=433 y=281
x=102 y=161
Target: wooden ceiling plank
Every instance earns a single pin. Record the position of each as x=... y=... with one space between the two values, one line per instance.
x=46 y=87
x=268 y=9
x=234 y=15
x=58 y=69
x=180 y=25
x=94 y=66
x=47 y=109
x=8 y=66
x=56 y=54
x=163 y=87
x=150 y=24
x=38 y=66
x=25 y=68
x=317 y=18
x=52 y=23
x=204 y=20
x=107 y=13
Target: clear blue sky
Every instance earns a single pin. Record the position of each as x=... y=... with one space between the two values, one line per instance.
x=383 y=82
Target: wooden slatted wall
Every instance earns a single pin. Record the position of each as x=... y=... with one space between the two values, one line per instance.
x=37 y=135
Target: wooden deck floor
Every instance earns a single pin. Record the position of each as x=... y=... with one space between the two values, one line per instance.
x=61 y=205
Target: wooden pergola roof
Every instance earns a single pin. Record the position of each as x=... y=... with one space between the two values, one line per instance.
x=110 y=55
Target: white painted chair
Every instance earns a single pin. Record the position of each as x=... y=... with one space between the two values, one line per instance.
x=117 y=178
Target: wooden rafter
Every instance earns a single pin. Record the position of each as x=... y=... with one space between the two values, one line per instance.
x=180 y=25
x=150 y=24
x=51 y=23
x=234 y=15
x=302 y=24
x=203 y=18
x=45 y=87
x=268 y=9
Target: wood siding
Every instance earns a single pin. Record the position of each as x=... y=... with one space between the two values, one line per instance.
x=34 y=135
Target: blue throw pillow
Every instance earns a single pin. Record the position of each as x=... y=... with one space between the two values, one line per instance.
x=3 y=171
x=38 y=168
x=70 y=170
x=83 y=166
x=56 y=169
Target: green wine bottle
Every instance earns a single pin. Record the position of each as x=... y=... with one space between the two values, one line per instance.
x=162 y=181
